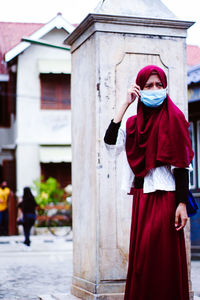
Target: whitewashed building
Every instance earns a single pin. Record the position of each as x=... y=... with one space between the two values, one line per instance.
x=42 y=126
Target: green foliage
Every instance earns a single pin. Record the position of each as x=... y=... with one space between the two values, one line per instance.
x=47 y=192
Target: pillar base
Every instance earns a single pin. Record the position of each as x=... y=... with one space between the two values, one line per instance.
x=111 y=290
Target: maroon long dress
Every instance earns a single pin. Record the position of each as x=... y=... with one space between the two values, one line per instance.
x=157 y=259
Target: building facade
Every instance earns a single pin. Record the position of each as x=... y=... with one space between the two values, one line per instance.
x=38 y=137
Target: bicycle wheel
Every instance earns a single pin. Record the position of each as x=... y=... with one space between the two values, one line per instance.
x=59 y=224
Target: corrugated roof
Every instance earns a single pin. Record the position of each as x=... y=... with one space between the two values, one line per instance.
x=11 y=34
x=57 y=22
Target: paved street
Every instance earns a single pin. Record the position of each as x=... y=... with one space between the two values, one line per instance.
x=44 y=270
x=195 y=277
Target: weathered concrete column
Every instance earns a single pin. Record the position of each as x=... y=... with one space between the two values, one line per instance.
x=108 y=48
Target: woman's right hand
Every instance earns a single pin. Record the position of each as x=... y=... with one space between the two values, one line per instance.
x=133 y=93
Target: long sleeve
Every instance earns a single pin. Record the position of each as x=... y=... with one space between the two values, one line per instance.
x=115 y=139
x=111 y=134
x=182 y=185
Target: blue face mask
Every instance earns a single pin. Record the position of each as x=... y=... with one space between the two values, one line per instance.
x=153 y=98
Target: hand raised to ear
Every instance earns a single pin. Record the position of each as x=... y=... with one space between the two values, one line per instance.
x=133 y=93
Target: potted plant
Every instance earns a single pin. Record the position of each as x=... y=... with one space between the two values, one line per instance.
x=48 y=194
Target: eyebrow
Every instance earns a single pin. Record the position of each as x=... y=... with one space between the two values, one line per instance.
x=150 y=83
x=147 y=83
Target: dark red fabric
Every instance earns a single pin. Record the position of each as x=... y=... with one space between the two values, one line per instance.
x=157 y=257
x=157 y=136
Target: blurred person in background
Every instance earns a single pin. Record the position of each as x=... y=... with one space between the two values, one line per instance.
x=27 y=214
x=4 y=198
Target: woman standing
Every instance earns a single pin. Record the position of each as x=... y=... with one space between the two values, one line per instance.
x=27 y=207
x=159 y=152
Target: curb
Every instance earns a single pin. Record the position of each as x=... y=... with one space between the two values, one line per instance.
x=59 y=297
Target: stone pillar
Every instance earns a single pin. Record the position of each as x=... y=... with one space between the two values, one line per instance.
x=108 y=48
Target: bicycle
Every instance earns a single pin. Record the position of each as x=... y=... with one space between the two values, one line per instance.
x=58 y=219
x=60 y=223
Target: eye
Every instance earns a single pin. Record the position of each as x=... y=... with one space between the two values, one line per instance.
x=148 y=86
x=159 y=84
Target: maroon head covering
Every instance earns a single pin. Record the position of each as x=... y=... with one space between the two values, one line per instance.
x=157 y=136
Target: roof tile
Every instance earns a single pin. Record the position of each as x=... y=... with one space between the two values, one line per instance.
x=193 y=55
x=11 y=34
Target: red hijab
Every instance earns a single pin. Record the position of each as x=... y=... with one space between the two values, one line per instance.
x=157 y=136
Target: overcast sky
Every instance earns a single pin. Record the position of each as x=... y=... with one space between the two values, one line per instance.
x=75 y=10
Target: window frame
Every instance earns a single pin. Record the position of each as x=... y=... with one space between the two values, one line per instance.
x=58 y=104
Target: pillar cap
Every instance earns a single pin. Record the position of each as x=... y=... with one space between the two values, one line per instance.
x=89 y=25
x=135 y=8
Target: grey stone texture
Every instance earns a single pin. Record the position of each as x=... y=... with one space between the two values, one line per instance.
x=44 y=269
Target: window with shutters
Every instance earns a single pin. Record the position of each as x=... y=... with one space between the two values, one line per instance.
x=55 y=91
